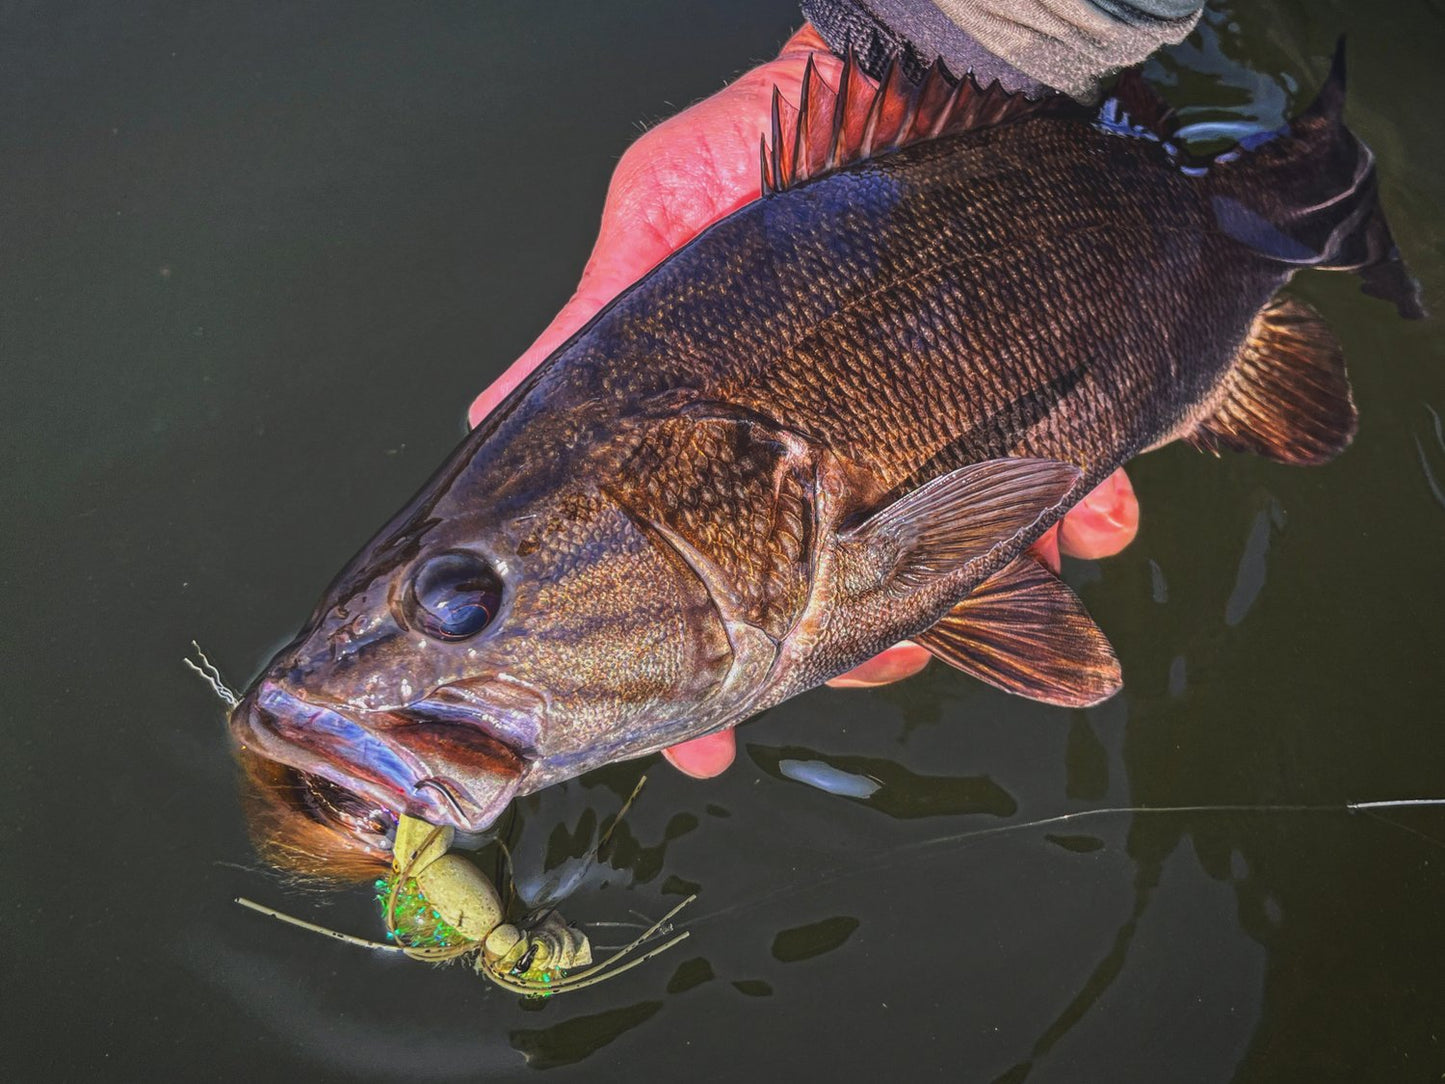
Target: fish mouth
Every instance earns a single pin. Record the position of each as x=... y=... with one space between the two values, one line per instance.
x=446 y=770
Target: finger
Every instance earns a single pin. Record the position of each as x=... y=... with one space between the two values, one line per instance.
x=1046 y=549
x=1104 y=522
x=898 y=662
x=591 y=295
x=704 y=757
x=805 y=41
x=674 y=182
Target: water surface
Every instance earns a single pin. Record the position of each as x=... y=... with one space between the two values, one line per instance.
x=258 y=259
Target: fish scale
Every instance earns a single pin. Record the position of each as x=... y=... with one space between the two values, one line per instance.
x=835 y=419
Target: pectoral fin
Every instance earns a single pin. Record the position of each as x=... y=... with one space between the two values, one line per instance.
x=1023 y=631
x=1287 y=397
x=960 y=516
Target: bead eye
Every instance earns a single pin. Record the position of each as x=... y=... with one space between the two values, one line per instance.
x=454 y=595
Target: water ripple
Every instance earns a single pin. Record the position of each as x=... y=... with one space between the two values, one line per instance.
x=1430 y=479
x=1252 y=565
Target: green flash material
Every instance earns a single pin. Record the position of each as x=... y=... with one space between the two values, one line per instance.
x=416 y=922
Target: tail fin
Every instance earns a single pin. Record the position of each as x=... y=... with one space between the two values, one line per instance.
x=1309 y=195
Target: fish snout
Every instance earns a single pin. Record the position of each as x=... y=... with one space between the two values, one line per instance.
x=445 y=772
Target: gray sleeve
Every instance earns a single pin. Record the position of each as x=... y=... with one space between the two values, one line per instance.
x=1030 y=45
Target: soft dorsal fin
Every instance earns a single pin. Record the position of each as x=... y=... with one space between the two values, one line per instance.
x=1144 y=106
x=958 y=517
x=1287 y=397
x=833 y=127
x=1023 y=631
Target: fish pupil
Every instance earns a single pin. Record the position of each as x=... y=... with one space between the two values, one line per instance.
x=455 y=595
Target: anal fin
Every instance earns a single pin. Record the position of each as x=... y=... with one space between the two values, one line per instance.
x=1024 y=631
x=1287 y=397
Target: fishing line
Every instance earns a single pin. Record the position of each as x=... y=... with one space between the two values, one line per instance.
x=212 y=677
x=895 y=855
x=905 y=852
x=617 y=963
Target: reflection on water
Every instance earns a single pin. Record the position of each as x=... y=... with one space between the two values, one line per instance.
x=1250 y=581
x=1218 y=100
x=572 y=1040
x=1158 y=585
x=894 y=791
x=828 y=779
x=1436 y=490
x=814 y=939
x=1079 y=844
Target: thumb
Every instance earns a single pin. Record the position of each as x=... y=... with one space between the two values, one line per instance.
x=675 y=181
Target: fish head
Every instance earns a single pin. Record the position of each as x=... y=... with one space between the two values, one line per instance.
x=476 y=650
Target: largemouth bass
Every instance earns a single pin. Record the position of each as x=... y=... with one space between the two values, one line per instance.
x=836 y=419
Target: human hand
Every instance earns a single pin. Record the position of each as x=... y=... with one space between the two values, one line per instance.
x=680 y=177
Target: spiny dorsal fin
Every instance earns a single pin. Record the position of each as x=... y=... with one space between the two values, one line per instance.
x=958 y=517
x=1287 y=397
x=834 y=127
x=1023 y=631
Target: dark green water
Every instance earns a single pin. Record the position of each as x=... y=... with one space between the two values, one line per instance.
x=256 y=262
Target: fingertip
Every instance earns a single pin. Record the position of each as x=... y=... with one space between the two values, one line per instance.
x=1104 y=522
x=704 y=757
x=896 y=663
x=502 y=387
x=1046 y=549
x=481 y=406
x=805 y=39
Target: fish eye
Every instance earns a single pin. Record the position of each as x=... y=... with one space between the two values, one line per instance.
x=454 y=595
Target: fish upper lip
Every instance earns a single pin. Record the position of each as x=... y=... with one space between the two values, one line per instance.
x=424 y=753
x=519 y=729
x=262 y=721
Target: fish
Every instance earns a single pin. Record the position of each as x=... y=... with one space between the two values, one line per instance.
x=836 y=419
